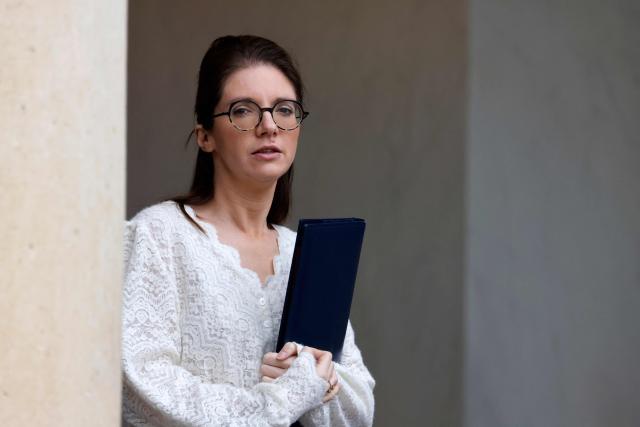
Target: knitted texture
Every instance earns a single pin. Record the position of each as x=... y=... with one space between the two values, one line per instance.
x=196 y=324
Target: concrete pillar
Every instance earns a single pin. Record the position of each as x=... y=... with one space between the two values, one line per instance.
x=62 y=160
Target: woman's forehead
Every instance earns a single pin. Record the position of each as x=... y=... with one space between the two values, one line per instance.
x=262 y=83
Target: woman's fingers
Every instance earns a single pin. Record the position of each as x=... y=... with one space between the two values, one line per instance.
x=334 y=378
x=324 y=361
x=271 y=371
x=273 y=366
x=271 y=359
x=333 y=389
x=288 y=350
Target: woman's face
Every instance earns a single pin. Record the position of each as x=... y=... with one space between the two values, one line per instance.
x=234 y=151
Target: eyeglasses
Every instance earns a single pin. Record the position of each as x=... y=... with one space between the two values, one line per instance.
x=246 y=115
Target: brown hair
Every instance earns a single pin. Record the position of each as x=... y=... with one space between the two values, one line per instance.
x=226 y=55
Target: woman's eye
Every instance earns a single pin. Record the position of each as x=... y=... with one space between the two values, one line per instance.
x=285 y=111
x=240 y=112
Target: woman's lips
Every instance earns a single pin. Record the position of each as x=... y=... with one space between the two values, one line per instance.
x=267 y=155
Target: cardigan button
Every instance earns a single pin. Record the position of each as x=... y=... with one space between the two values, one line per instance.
x=266 y=323
x=262 y=301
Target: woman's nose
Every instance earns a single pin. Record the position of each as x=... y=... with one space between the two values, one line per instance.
x=267 y=124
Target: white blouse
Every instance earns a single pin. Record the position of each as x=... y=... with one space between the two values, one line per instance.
x=196 y=325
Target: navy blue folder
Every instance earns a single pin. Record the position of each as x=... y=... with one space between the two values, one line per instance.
x=321 y=282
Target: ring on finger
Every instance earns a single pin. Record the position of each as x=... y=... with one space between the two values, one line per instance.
x=332 y=385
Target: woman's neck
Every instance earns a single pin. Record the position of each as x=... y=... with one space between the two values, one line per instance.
x=239 y=207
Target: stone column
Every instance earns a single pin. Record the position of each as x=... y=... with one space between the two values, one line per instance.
x=62 y=171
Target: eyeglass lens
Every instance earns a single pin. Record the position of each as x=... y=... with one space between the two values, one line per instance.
x=245 y=115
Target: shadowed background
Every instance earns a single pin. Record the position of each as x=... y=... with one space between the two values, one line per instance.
x=384 y=141
x=499 y=274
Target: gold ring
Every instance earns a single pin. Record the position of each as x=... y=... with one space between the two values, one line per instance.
x=330 y=389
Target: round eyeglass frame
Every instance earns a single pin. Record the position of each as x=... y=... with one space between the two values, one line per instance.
x=261 y=111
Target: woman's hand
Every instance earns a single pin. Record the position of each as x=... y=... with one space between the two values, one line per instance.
x=276 y=364
x=325 y=369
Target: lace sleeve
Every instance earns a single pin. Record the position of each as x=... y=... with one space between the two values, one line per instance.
x=157 y=391
x=354 y=404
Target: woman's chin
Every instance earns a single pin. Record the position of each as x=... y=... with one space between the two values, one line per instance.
x=268 y=177
x=269 y=172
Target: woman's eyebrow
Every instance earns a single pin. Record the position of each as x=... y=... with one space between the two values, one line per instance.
x=285 y=99
x=240 y=99
x=246 y=98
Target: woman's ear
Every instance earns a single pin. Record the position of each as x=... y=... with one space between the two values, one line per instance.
x=204 y=139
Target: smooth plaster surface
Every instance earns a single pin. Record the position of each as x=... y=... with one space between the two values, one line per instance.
x=553 y=271
x=62 y=148
x=384 y=141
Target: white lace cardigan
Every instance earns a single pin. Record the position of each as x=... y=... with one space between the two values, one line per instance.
x=196 y=325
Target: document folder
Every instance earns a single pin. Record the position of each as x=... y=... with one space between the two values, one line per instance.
x=321 y=282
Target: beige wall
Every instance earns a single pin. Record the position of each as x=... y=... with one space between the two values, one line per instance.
x=384 y=141
x=62 y=121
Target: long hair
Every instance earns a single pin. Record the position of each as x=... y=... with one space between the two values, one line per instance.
x=226 y=55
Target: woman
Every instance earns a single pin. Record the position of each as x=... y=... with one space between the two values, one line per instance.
x=206 y=273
